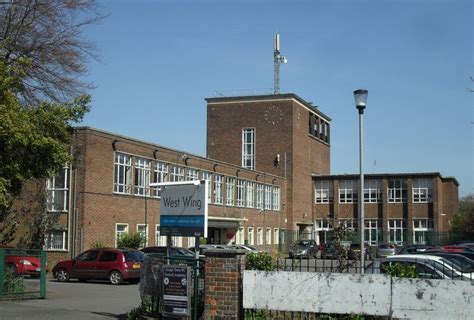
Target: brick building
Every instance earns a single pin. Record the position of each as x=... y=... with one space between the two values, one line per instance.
x=268 y=170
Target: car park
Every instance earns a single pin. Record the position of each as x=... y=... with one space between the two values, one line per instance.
x=303 y=249
x=115 y=265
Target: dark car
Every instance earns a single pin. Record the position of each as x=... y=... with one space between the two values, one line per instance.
x=354 y=251
x=116 y=265
x=329 y=251
x=416 y=248
x=174 y=251
x=303 y=248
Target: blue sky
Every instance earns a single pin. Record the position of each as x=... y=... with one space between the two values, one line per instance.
x=160 y=59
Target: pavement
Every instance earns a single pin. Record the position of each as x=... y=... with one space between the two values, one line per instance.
x=74 y=300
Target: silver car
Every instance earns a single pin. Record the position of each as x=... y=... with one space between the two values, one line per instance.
x=385 y=250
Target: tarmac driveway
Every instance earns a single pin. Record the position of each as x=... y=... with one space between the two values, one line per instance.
x=74 y=300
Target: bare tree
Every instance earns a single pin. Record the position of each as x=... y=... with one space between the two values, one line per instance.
x=46 y=36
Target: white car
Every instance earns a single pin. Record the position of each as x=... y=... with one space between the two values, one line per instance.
x=444 y=265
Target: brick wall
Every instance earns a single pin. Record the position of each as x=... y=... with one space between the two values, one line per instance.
x=223 y=284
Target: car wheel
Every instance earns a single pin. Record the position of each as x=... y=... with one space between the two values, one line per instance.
x=115 y=277
x=62 y=275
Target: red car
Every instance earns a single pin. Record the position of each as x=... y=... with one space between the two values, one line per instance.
x=458 y=248
x=21 y=262
x=116 y=265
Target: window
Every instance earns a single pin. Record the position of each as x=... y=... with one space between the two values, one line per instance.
x=58 y=192
x=120 y=230
x=348 y=224
x=248 y=148
x=88 y=256
x=208 y=177
x=250 y=236
x=259 y=204
x=177 y=241
x=372 y=191
x=239 y=236
x=397 y=190
x=191 y=174
x=160 y=176
x=347 y=191
x=159 y=239
x=259 y=236
x=141 y=176
x=422 y=190
x=276 y=199
x=142 y=230
x=421 y=228
x=323 y=192
x=240 y=193
x=191 y=242
x=177 y=174
x=268 y=236
x=106 y=256
x=268 y=197
x=250 y=194
x=396 y=230
x=230 y=191
x=276 y=236
x=218 y=179
x=56 y=240
x=123 y=171
x=371 y=232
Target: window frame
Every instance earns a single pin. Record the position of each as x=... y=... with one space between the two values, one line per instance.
x=422 y=190
x=248 y=148
x=121 y=232
x=397 y=190
x=348 y=191
x=53 y=188
x=323 y=191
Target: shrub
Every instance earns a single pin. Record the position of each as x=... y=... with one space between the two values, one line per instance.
x=13 y=283
x=259 y=261
x=130 y=240
x=401 y=270
x=97 y=244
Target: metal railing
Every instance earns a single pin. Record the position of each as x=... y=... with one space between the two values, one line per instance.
x=22 y=274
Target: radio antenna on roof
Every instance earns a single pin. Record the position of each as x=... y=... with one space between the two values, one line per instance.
x=278 y=59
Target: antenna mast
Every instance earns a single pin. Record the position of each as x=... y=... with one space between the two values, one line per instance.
x=278 y=59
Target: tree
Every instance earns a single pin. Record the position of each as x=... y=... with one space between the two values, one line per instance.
x=48 y=34
x=34 y=142
x=462 y=223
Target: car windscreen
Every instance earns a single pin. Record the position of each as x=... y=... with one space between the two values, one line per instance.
x=134 y=256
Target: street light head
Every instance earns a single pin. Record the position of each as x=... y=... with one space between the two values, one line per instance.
x=360 y=97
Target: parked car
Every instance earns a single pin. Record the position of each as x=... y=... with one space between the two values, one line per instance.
x=174 y=251
x=385 y=250
x=246 y=247
x=354 y=251
x=425 y=268
x=458 y=248
x=116 y=265
x=416 y=248
x=329 y=251
x=303 y=248
x=22 y=262
x=466 y=264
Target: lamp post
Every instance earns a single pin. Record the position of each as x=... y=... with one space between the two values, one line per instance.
x=360 y=97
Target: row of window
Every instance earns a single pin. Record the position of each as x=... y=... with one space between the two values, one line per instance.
x=269 y=235
x=234 y=191
x=397 y=230
x=397 y=191
x=318 y=127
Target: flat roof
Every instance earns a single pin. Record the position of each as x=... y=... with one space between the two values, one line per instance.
x=382 y=175
x=266 y=97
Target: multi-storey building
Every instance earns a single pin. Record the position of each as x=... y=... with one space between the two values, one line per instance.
x=399 y=208
x=268 y=169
